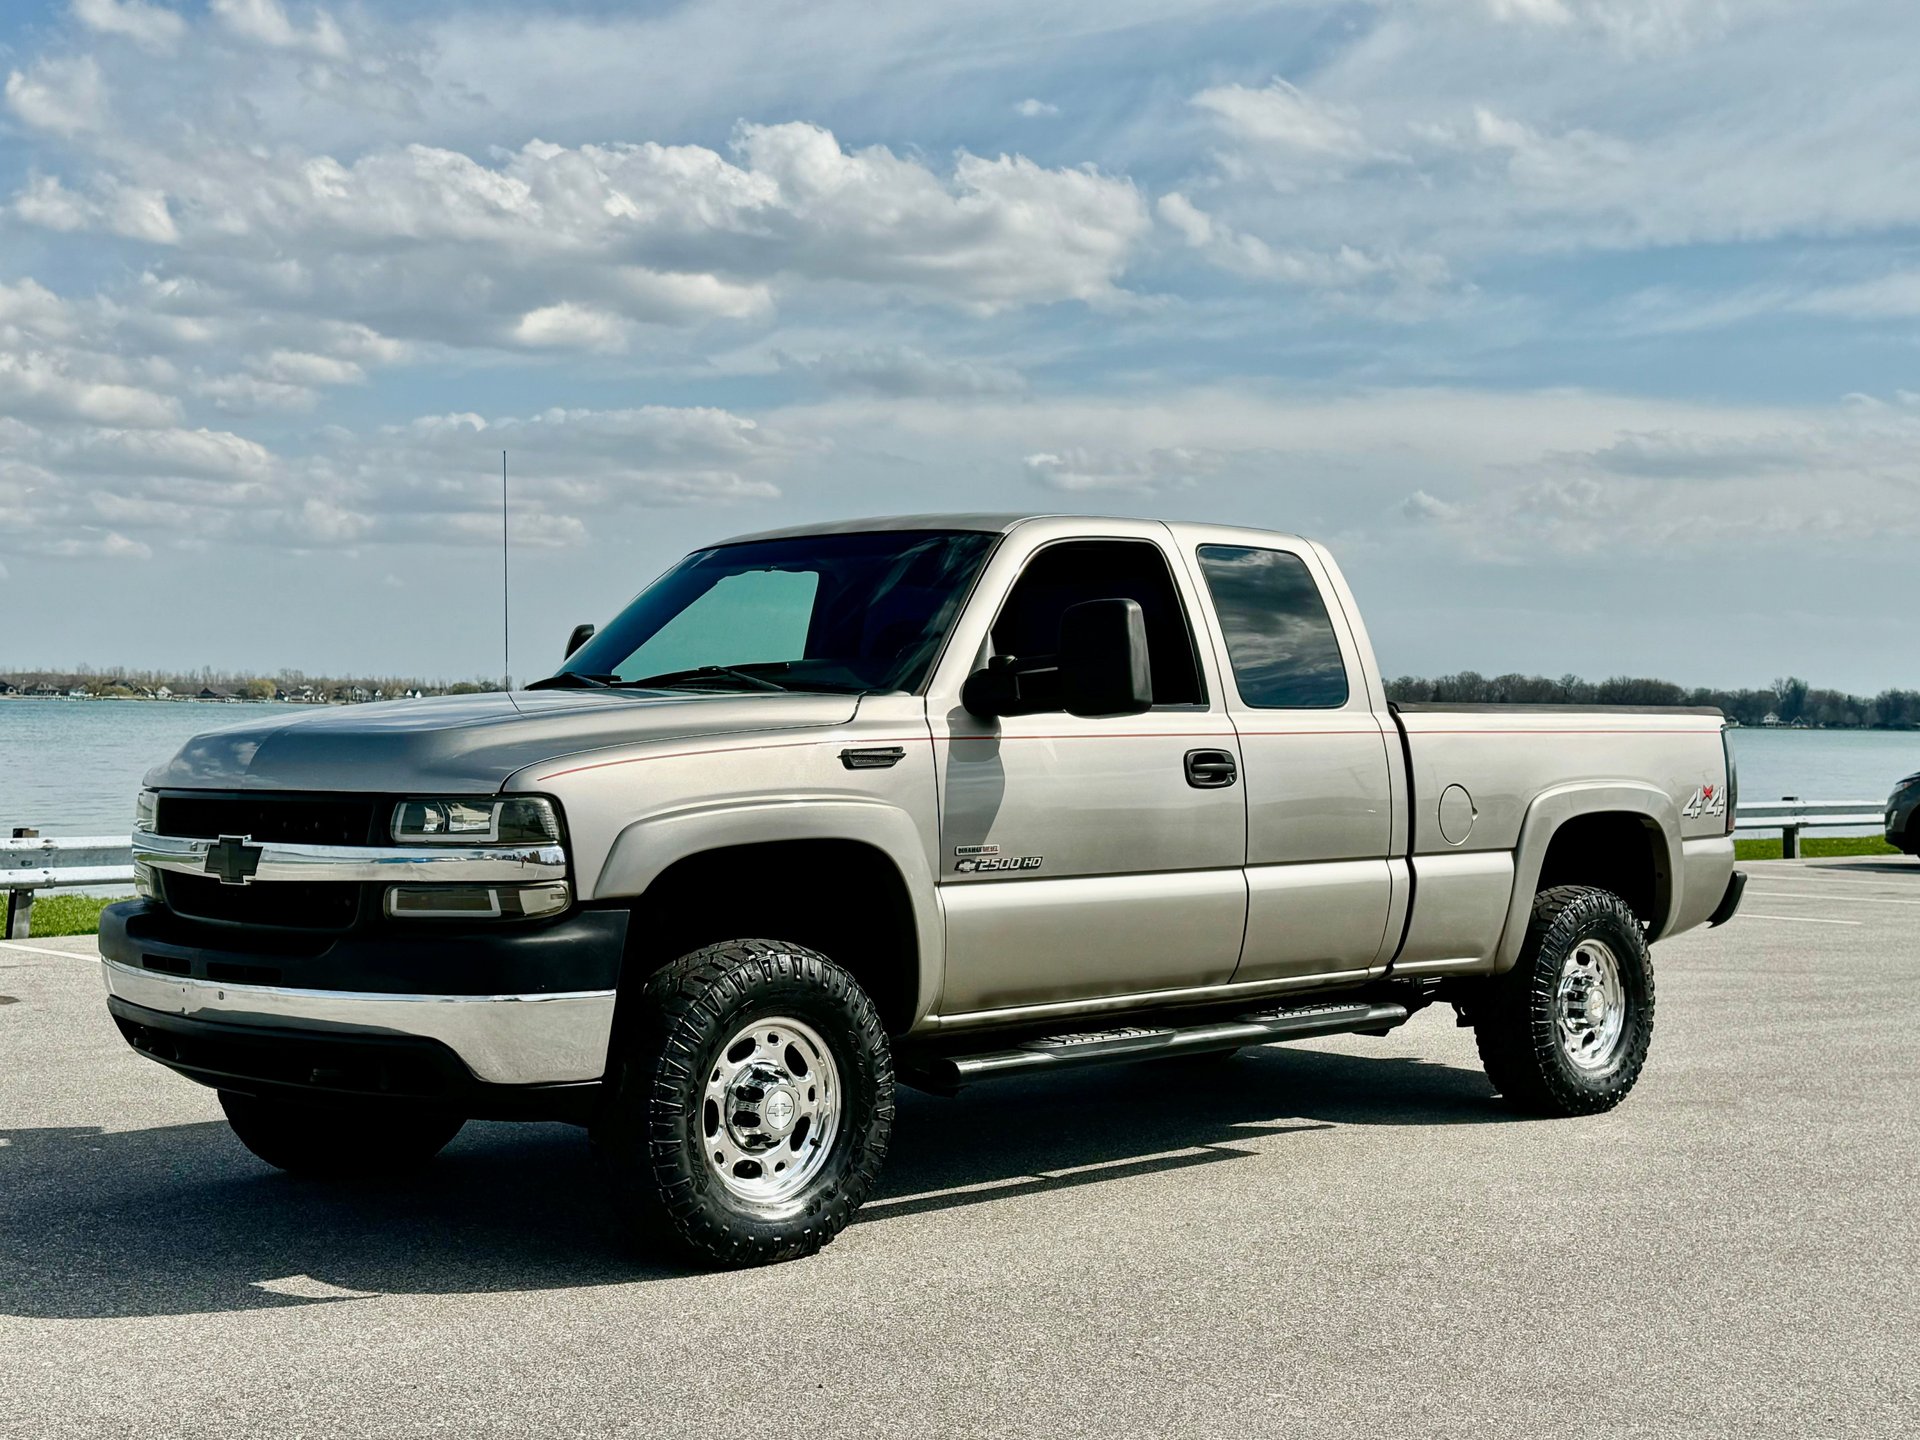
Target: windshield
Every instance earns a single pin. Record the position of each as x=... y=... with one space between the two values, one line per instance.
x=816 y=612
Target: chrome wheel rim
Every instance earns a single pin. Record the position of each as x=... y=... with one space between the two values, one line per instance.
x=1590 y=1006
x=771 y=1110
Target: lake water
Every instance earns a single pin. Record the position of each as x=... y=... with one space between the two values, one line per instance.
x=72 y=767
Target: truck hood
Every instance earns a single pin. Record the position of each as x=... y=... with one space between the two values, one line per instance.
x=466 y=744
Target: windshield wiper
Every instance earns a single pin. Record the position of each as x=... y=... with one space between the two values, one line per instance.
x=672 y=679
x=574 y=680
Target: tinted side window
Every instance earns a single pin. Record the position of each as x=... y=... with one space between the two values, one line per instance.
x=1279 y=635
x=1063 y=575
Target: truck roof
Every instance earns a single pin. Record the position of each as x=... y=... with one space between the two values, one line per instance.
x=988 y=522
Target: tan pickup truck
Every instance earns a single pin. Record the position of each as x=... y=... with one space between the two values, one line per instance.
x=934 y=799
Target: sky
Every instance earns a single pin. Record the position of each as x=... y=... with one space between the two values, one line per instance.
x=1583 y=331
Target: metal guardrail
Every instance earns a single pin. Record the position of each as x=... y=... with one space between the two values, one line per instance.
x=1790 y=815
x=31 y=862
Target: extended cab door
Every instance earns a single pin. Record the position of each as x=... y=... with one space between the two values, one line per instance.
x=1324 y=899
x=1086 y=858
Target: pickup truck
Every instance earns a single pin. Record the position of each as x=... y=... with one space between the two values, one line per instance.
x=930 y=799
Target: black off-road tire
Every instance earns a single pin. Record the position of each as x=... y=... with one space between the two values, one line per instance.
x=1514 y=1017
x=348 y=1141
x=649 y=1136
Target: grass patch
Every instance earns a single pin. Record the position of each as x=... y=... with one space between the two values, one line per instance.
x=70 y=914
x=1815 y=847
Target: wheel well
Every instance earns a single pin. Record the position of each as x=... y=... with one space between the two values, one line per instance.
x=844 y=898
x=1616 y=851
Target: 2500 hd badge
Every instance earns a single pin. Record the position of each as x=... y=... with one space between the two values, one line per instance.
x=986 y=863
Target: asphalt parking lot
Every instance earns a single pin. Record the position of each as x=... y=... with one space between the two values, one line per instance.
x=1344 y=1237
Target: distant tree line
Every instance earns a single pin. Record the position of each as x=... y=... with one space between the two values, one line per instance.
x=285 y=684
x=1791 y=701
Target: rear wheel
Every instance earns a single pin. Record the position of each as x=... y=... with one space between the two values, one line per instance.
x=346 y=1141
x=1566 y=1031
x=751 y=1109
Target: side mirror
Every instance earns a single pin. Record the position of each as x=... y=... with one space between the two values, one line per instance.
x=1104 y=669
x=1012 y=686
x=1101 y=669
x=581 y=634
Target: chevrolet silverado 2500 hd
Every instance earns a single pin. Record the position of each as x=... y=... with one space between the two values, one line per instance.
x=941 y=798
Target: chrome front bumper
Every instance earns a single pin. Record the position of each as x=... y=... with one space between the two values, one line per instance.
x=503 y=1039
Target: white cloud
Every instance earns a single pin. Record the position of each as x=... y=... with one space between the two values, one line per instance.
x=1555 y=127
x=1632 y=26
x=432 y=481
x=266 y=23
x=1893 y=296
x=96 y=544
x=571 y=327
x=899 y=370
x=41 y=384
x=1281 y=117
x=1401 y=286
x=1422 y=506
x=1534 y=158
x=298 y=367
x=217 y=455
x=152 y=27
x=1036 y=109
x=1080 y=471
x=64 y=95
x=556 y=247
x=136 y=212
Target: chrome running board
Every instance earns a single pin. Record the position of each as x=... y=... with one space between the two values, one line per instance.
x=948 y=1072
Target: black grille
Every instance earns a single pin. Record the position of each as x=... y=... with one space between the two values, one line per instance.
x=297 y=904
x=298 y=820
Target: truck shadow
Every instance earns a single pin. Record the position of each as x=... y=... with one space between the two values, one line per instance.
x=181 y=1220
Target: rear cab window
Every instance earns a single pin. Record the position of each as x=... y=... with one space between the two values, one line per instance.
x=1280 y=638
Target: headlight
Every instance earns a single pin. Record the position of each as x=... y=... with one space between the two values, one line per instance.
x=146 y=806
x=523 y=820
x=477 y=902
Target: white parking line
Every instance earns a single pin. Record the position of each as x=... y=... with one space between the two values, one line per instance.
x=1797 y=919
x=1843 y=899
x=1834 y=878
x=43 y=950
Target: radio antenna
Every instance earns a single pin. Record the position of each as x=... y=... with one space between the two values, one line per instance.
x=506 y=604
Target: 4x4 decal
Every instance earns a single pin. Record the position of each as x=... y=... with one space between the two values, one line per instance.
x=1708 y=800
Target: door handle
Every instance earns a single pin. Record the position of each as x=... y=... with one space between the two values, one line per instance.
x=1211 y=769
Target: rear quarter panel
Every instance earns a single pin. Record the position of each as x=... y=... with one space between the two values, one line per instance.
x=1524 y=774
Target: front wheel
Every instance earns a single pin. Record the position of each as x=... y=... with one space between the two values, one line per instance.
x=1566 y=1031
x=342 y=1141
x=752 y=1104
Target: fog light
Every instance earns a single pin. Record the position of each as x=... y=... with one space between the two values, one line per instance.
x=477 y=902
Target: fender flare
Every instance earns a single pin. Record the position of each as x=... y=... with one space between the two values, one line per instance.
x=1555 y=807
x=644 y=850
